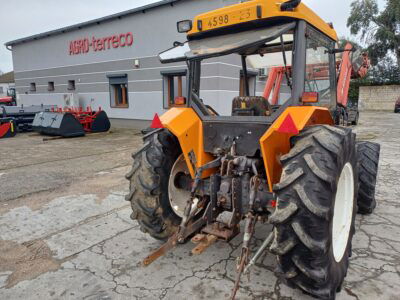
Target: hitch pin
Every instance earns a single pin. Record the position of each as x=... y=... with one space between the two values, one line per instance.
x=260 y=251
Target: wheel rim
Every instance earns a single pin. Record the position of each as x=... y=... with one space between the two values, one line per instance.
x=178 y=197
x=343 y=212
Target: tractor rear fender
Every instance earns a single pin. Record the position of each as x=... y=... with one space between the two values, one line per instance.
x=186 y=125
x=276 y=140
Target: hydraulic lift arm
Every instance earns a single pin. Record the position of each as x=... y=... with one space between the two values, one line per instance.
x=352 y=66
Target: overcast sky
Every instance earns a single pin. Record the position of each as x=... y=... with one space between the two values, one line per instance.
x=21 y=18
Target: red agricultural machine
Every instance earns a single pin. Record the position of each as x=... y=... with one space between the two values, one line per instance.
x=6 y=101
x=8 y=128
x=10 y=99
x=71 y=122
x=351 y=65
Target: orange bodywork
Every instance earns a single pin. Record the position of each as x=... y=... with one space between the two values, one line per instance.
x=276 y=142
x=186 y=125
x=248 y=11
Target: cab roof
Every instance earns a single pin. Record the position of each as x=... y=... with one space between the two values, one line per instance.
x=255 y=13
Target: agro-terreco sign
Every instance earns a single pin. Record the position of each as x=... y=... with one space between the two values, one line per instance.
x=85 y=45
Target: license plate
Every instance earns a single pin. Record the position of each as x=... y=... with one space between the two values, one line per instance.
x=235 y=17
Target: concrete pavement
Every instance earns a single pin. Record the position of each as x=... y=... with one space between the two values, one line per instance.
x=65 y=231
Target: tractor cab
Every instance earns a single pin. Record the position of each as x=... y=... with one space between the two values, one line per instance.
x=261 y=35
x=258 y=34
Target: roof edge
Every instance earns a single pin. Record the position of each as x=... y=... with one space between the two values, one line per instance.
x=90 y=22
x=7 y=77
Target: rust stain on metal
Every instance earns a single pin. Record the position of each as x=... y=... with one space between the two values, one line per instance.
x=221 y=232
x=206 y=242
x=198 y=238
x=171 y=243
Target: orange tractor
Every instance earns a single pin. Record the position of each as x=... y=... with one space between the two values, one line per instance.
x=209 y=177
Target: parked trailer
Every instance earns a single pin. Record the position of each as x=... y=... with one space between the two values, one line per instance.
x=24 y=116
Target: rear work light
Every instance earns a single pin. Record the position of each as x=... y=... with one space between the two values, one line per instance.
x=310 y=97
x=184 y=26
x=180 y=101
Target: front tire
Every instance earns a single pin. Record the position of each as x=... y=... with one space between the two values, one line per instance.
x=148 y=188
x=315 y=199
x=355 y=122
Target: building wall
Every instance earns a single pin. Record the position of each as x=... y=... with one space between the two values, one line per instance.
x=378 y=97
x=48 y=59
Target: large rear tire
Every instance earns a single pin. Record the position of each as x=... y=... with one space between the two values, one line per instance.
x=368 y=161
x=148 y=189
x=316 y=207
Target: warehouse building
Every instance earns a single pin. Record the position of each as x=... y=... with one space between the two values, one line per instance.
x=112 y=63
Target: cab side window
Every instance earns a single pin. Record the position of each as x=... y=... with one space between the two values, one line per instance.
x=319 y=67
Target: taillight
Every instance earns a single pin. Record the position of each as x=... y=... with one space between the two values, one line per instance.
x=310 y=97
x=156 y=124
x=180 y=101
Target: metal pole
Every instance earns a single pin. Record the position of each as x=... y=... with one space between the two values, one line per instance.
x=245 y=75
x=267 y=241
x=299 y=65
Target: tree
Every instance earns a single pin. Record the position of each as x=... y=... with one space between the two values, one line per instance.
x=380 y=31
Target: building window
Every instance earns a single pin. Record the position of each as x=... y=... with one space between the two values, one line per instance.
x=119 y=91
x=174 y=85
x=50 y=86
x=71 y=85
x=32 y=87
x=1 y=90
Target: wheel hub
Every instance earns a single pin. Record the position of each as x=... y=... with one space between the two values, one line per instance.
x=343 y=212
x=179 y=186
